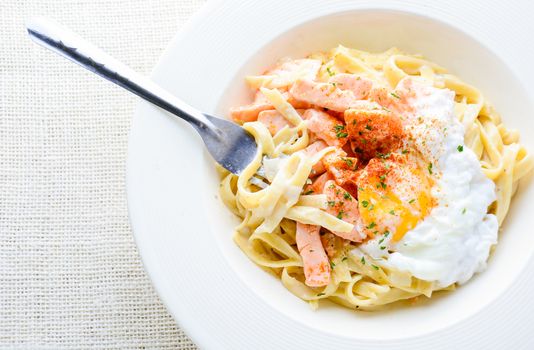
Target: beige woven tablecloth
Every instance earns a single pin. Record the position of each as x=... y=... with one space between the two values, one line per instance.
x=70 y=274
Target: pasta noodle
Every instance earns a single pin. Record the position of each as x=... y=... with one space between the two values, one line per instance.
x=270 y=202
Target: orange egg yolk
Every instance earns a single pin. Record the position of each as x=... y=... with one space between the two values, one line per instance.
x=394 y=205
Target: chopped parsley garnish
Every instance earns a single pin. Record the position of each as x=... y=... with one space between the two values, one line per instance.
x=330 y=73
x=368 y=127
x=347 y=195
x=320 y=294
x=392 y=212
x=365 y=204
x=375 y=267
x=371 y=225
x=360 y=188
x=331 y=186
x=382 y=248
x=404 y=151
x=382 y=177
x=340 y=214
x=386 y=233
x=339 y=127
x=383 y=185
x=344 y=258
x=385 y=109
x=348 y=161
x=332 y=265
x=362 y=260
x=460 y=148
x=371 y=207
x=381 y=240
x=308 y=192
x=333 y=84
x=430 y=168
x=384 y=155
x=395 y=95
x=411 y=201
x=341 y=135
x=331 y=203
x=463 y=211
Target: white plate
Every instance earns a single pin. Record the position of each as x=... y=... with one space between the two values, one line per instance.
x=222 y=299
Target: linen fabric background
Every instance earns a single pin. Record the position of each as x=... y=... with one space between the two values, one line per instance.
x=70 y=273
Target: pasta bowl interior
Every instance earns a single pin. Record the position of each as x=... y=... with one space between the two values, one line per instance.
x=377 y=31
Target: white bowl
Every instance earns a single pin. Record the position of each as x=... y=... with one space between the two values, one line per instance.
x=184 y=232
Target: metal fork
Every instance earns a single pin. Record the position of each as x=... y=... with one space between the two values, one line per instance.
x=228 y=143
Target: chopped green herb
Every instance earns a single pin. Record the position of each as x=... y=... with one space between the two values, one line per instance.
x=460 y=148
x=375 y=267
x=348 y=161
x=463 y=211
x=383 y=185
x=382 y=177
x=392 y=212
x=368 y=127
x=386 y=233
x=308 y=192
x=371 y=207
x=347 y=195
x=411 y=201
x=382 y=248
x=430 y=168
x=339 y=127
x=320 y=294
x=404 y=151
x=384 y=155
x=360 y=188
x=362 y=260
x=381 y=240
x=365 y=204
x=340 y=214
x=344 y=258
x=333 y=84
x=332 y=265
x=341 y=135
x=385 y=109
x=330 y=73
x=331 y=186
x=331 y=203
x=395 y=95
x=371 y=225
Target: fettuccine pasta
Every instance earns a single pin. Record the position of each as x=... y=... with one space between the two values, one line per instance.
x=358 y=154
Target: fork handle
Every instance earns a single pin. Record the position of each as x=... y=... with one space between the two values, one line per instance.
x=63 y=41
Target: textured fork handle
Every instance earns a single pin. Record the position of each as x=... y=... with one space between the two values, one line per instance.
x=66 y=43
